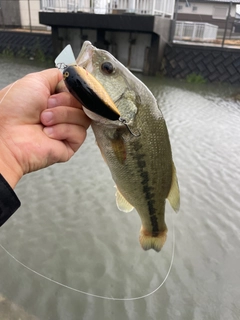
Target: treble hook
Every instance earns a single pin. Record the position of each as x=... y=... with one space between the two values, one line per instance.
x=125 y=123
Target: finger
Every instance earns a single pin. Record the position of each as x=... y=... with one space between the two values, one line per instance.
x=61 y=87
x=74 y=135
x=68 y=115
x=63 y=99
x=52 y=77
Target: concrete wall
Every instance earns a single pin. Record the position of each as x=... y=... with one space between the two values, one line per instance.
x=128 y=47
x=30 y=8
x=138 y=41
x=214 y=64
x=204 y=8
x=26 y=45
x=10 y=14
x=20 y=14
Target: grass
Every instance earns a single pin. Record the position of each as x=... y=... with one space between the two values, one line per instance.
x=195 y=78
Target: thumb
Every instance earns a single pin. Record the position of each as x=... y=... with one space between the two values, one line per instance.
x=52 y=77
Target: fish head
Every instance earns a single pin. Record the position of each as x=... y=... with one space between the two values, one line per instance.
x=117 y=80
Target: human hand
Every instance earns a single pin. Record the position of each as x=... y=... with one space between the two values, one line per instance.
x=37 y=127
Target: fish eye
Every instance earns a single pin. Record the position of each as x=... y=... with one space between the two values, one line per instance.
x=107 y=67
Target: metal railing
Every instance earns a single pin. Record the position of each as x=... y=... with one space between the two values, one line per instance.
x=150 y=7
x=65 y=5
x=195 y=31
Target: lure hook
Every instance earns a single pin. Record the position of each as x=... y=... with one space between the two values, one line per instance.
x=125 y=123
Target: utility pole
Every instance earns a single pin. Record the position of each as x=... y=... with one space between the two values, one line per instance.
x=174 y=21
x=29 y=14
x=226 y=24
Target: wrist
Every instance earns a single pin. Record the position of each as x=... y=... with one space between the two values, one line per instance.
x=9 y=170
x=9 y=175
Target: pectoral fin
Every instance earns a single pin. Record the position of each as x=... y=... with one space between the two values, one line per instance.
x=118 y=147
x=174 y=194
x=122 y=203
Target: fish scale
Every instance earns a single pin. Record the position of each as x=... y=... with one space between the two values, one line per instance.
x=143 y=180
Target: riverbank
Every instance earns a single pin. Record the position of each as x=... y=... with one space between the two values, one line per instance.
x=200 y=62
x=210 y=63
x=22 y=43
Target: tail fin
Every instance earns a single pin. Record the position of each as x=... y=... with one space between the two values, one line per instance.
x=148 y=241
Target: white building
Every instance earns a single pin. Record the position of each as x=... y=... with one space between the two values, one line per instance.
x=25 y=13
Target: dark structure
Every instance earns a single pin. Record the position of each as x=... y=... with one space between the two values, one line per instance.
x=10 y=14
x=138 y=41
x=26 y=45
x=214 y=64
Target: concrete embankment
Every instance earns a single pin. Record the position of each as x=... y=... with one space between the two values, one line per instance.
x=214 y=64
x=37 y=45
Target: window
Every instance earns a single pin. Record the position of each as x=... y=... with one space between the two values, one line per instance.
x=194 y=8
x=180 y=7
x=220 y=12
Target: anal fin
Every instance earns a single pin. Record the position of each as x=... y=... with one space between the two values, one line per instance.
x=122 y=203
x=174 y=194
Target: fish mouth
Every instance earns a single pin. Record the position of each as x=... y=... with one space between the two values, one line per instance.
x=85 y=56
x=84 y=60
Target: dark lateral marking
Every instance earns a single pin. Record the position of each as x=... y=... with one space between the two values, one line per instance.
x=147 y=190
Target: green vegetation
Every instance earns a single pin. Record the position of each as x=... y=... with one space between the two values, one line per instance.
x=39 y=55
x=22 y=53
x=35 y=53
x=8 y=52
x=195 y=78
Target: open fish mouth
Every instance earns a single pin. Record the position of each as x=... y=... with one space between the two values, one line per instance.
x=84 y=58
x=78 y=78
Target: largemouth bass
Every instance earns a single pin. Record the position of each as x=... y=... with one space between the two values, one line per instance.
x=132 y=136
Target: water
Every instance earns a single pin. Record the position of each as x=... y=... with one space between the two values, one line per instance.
x=69 y=229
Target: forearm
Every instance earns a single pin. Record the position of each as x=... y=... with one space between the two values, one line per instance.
x=9 y=202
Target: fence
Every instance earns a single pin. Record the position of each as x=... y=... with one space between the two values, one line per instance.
x=150 y=7
x=65 y=5
x=195 y=31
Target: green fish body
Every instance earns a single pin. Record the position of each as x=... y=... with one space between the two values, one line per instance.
x=138 y=154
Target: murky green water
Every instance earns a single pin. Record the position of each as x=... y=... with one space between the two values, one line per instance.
x=69 y=230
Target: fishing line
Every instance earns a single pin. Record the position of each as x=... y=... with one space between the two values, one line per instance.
x=8 y=91
x=100 y=296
